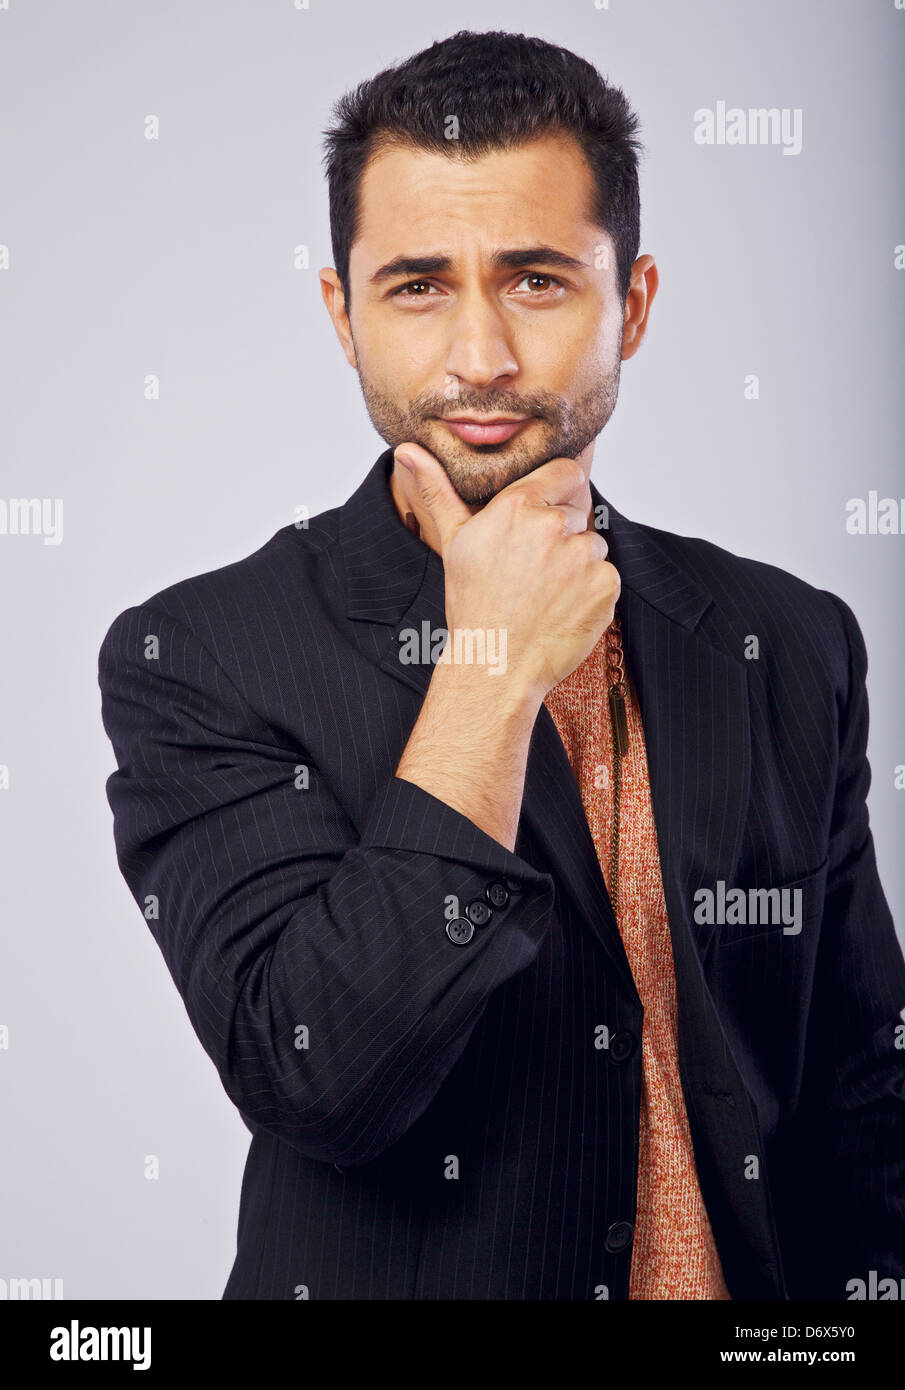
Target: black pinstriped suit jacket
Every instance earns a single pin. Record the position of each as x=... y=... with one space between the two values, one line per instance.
x=434 y=1120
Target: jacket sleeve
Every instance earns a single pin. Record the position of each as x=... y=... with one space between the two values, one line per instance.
x=848 y=1153
x=312 y=955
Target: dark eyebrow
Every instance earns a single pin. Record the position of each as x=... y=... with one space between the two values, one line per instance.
x=413 y=266
x=514 y=260
x=410 y=266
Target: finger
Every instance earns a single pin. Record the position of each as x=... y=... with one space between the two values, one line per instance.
x=554 y=482
x=573 y=518
x=436 y=493
x=594 y=543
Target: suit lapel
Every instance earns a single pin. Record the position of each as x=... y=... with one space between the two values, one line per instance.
x=693 y=699
x=692 y=696
x=696 y=732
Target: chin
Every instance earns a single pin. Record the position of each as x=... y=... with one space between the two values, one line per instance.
x=479 y=490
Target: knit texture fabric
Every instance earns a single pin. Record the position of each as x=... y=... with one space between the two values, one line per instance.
x=674 y=1253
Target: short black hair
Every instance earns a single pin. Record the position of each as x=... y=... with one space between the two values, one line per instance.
x=504 y=89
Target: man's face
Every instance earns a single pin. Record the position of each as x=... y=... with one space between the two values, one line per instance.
x=534 y=337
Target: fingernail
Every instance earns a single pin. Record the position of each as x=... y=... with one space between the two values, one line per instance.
x=405 y=459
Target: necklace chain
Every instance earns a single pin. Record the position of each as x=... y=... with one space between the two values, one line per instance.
x=616 y=693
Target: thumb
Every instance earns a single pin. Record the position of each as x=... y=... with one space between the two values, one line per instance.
x=436 y=494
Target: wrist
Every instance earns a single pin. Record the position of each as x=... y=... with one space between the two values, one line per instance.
x=508 y=695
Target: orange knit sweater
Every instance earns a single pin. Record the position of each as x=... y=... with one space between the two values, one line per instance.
x=674 y=1254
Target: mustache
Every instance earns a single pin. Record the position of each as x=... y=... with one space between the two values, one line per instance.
x=496 y=399
x=496 y=405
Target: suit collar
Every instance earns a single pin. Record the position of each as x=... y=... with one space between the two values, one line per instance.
x=387 y=568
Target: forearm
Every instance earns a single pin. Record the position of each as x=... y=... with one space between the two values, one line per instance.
x=469 y=746
x=292 y=931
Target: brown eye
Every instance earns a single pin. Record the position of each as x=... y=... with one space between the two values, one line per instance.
x=550 y=281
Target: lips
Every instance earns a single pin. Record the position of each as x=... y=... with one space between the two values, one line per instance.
x=476 y=432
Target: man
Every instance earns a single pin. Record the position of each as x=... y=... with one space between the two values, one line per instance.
x=551 y=962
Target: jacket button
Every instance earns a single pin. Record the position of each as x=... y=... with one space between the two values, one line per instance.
x=479 y=912
x=460 y=931
x=619 y=1235
x=512 y=884
x=622 y=1045
x=497 y=894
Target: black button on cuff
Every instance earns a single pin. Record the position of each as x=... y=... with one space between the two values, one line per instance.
x=512 y=884
x=460 y=931
x=479 y=912
x=497 y=894
x=619 y=1236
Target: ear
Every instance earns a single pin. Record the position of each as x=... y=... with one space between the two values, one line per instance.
x=641 y=291
x=335 y=301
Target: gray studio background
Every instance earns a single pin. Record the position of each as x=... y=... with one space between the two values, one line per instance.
x=175 y=257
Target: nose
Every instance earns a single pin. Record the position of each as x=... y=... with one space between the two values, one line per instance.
x=480 y=351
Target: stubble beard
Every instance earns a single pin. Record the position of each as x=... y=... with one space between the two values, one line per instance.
x=479 y=471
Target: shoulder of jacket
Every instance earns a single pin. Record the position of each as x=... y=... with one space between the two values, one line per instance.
x=284 y=570
x=723 y=572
